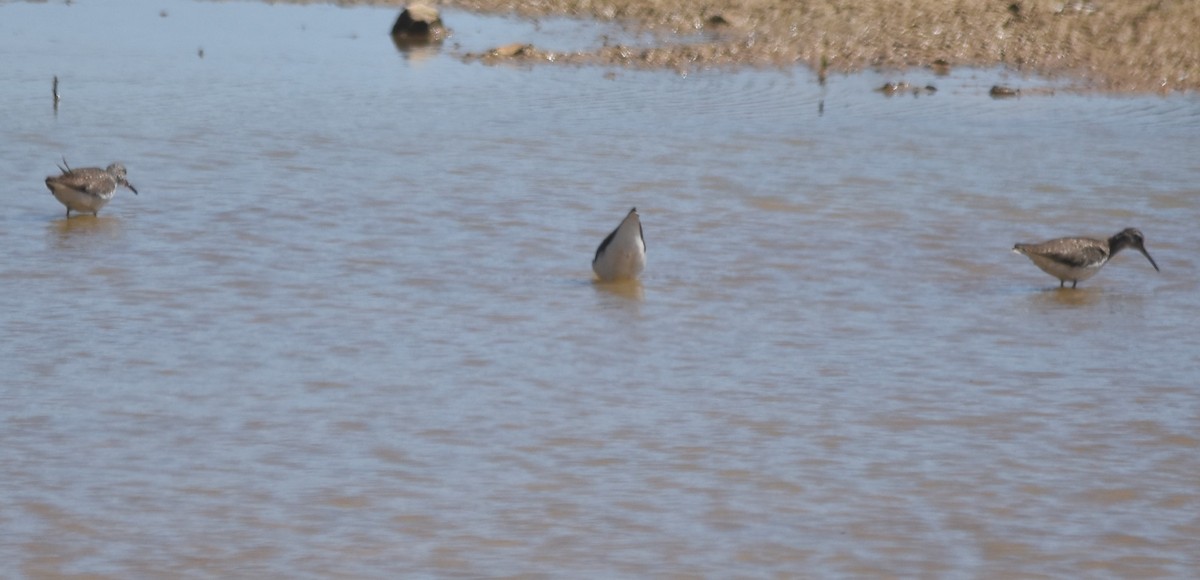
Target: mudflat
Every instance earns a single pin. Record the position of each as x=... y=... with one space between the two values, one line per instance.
x=1134 y=46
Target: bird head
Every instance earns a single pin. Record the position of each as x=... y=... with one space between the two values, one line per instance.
x=118 y=172
x=1130 y=238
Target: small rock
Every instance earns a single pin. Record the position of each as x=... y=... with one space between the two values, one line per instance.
x=1002 y=92
x=512 y=50
x=419 y=23
x=895 y=88
x=516 y=51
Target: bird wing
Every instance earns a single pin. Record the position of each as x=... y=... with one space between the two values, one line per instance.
x=91 y=181
x=1079 y=258
x=604 y=244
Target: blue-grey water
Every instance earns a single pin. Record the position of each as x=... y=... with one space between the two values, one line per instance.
x=348 y=327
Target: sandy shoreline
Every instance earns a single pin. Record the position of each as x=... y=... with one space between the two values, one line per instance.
x=1122 y=46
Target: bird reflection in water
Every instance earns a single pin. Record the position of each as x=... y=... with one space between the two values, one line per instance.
x=627 y=289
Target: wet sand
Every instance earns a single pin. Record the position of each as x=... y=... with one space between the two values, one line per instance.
x=1134 y=46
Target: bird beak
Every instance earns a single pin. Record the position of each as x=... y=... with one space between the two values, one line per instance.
x=1147 y=254
x=134 y=190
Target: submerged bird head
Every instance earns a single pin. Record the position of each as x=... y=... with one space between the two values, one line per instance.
x=1130 y=238
x=118 y=172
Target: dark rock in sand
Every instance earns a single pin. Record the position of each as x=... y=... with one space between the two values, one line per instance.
x=716 y=21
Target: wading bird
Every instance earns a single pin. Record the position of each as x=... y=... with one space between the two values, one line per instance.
x=622 y=255
x=87 y=189
x=1077 y=259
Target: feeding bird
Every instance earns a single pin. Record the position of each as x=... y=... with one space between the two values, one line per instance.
x=1077 y=259
x=87 y=189
x=622 y=255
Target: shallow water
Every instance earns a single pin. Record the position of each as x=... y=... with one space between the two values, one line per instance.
x=348 y=327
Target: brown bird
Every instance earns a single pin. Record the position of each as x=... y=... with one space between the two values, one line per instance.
x=1077 y=259
x=87 y=189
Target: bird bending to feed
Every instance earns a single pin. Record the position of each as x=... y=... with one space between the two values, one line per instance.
x=87 y=189
x=622 y=255
x=1077 y=259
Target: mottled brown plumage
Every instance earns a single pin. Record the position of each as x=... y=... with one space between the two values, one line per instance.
x=87 y=189
x=1077 y=259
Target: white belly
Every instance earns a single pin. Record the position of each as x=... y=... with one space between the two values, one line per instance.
x=77 y=200
x=621 y=263
x=1063 y=271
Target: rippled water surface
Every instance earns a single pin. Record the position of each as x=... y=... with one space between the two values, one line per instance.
x=348 y=327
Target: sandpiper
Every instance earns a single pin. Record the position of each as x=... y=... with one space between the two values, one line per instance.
x=87 y=189
x=1077 y=259
x=622 y=255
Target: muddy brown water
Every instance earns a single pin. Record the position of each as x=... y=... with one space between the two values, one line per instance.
x=348 y=327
